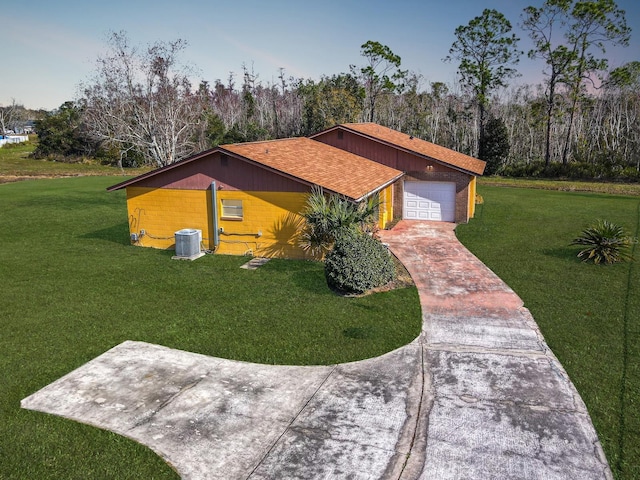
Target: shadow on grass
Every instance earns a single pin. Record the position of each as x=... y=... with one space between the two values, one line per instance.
x=308 y=275
x=116 y=233
x=359 y=333
x=563 y=253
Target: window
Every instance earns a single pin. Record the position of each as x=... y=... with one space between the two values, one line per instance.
x=232 y=209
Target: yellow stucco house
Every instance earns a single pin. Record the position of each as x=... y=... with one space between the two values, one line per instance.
x=246 y=199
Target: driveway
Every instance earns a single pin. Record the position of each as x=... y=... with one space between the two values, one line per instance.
x=477 y=395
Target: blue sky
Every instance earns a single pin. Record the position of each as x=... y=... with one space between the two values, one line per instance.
x=50 y=47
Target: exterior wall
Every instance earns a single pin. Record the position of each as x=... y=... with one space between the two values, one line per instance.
x=269 y=227
x=378 y=152
x=386 y=209
x=472 y=197
x=163 y=211
x=462 y=181
x=229 y=172
x=415 y=167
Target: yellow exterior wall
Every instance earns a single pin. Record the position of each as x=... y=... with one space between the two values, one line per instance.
x=161 y=212
x=472 y=197
x=386 y=208
x=267 y=213
x=268 y=227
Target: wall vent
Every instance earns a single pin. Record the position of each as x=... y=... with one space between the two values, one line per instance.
x=188 y=242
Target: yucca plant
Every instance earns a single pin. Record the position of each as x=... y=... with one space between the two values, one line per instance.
x=605 y=242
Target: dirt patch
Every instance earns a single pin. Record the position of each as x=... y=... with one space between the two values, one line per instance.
x=403 y=280
x=20 y=178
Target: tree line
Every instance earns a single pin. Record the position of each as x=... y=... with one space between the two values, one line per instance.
x=583 y=119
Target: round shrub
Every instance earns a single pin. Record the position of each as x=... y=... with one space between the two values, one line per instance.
x=357 y=263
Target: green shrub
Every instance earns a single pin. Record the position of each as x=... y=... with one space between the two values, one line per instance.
x=357 y=263
x=605 y=242
x=574 y=170
x=326 y=215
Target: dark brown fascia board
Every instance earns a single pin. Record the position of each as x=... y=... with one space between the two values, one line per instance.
x=306 y=182
x=200 y=155
x=266 y=167
x=166 y=168
x=384 y=142
x=381 y=187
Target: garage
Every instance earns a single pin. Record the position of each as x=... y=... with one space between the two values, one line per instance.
x=434 y=201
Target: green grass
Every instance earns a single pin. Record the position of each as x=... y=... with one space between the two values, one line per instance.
x=73 y=287
x=15 y=162
x=589 y=314
x=563 y=185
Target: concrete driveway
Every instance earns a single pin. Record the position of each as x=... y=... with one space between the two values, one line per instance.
x=477 y=396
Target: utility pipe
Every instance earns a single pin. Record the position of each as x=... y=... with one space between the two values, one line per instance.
x=214 y=215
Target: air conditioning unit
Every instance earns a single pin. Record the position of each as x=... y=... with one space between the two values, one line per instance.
x=188 y=242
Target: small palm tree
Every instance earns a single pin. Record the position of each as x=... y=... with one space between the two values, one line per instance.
x=326 y=215
x=605 y=242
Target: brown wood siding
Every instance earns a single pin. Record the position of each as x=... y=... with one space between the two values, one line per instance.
x=414 y=166
x=461 y=180
x=379 y=152
x=234 y=174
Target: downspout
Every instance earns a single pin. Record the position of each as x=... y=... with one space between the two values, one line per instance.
x=214 y=215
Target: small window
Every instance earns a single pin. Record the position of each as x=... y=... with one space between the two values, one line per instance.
x=232 y=209
x=224 y=160
x=340 y=134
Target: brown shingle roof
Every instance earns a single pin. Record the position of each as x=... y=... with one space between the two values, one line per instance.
x=319 y=164
x=416 y=145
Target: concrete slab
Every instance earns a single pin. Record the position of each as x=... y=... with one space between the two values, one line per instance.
x=496 y=402
x=495 y=329
x=255 y=263
x=220 y=419
x=207 y=417
x=190 y=258
x=509 y=441
x=503 y=378
x=359 y=424
x=477 y=395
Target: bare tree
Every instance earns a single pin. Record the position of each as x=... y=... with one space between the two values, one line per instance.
x=11 y=116
x=565 y=33
x=143 y=100
x=593 y=25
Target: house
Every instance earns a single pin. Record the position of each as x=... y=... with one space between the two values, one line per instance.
x=438 y=183
x=247 y=198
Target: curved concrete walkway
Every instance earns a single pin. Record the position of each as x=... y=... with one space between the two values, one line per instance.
x=478 y=395
x=497 y=402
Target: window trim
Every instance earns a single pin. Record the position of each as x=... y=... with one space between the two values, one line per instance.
x=225 y=214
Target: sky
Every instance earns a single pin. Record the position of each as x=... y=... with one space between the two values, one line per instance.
x=50 y=47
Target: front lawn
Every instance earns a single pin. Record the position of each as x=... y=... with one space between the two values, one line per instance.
x=73 y=287
x=589 y=314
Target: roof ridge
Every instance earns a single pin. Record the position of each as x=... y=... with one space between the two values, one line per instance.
x=257 y=142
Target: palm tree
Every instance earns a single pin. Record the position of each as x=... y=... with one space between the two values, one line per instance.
x=326 y=215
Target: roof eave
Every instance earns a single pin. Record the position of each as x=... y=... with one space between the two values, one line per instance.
x=379 y=188
x=376 y=139
x=153 y=173
x=308 y=182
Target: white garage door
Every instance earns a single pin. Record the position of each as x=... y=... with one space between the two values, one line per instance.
x=429 y=201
